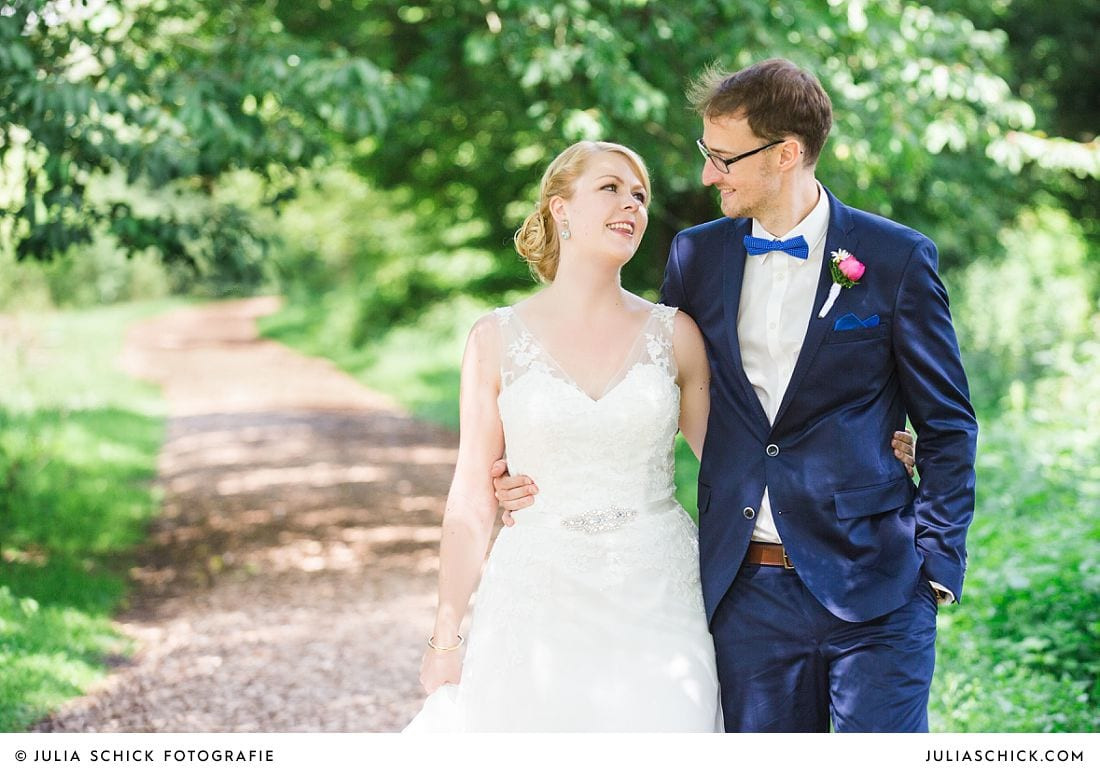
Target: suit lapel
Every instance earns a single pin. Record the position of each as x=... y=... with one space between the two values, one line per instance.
x=733 y=274
x=838 y=236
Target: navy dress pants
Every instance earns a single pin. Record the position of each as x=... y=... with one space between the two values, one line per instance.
x=787 y=664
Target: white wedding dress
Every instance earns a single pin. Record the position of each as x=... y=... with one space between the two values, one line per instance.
x=589 y=615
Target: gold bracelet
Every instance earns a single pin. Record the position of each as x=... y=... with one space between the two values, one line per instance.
x=452 y=648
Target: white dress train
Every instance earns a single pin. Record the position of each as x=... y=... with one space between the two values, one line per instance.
x=589 y=615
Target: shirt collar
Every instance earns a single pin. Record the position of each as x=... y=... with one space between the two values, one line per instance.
x=812 y=227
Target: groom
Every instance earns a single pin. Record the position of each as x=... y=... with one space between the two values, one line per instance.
x=822 y=566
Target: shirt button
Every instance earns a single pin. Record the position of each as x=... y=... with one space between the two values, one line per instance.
x=772 y=326
x=748 y=512
x=772 y=450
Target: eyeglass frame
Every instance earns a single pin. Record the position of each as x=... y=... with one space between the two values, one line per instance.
x=728 y=162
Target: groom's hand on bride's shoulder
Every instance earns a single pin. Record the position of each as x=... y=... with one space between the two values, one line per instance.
x=513 y=492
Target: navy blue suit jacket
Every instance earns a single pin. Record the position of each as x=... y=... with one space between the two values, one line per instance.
x=859 y=533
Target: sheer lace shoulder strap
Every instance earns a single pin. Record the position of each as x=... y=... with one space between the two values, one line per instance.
x=658 y=339
x=666 y=315
x=520 y=351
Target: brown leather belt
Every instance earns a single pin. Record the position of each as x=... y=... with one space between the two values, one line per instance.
x=768 y=554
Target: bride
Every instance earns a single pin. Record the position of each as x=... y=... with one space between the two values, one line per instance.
x=589 y=614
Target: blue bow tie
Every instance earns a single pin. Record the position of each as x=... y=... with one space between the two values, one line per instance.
x=796 y=247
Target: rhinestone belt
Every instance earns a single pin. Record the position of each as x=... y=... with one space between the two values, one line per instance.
x=598 y=521
x=606 y=519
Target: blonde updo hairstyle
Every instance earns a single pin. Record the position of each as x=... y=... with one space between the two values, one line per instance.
x=537 y=239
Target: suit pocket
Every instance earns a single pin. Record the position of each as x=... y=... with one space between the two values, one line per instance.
x=880 y=330
x=872 y=500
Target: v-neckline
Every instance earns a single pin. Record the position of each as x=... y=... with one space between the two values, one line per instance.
x=609 y=387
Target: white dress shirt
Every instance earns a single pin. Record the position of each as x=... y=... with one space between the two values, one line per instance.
x=777 y=296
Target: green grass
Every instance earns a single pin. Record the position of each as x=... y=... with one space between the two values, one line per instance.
x=78 y=446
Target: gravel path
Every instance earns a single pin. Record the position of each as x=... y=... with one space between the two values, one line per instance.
x=290 y=579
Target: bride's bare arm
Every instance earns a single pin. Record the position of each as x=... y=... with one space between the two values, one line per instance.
x=471 y=505
x=693 y=376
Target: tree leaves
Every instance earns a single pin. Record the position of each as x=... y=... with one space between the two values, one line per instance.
x=183 y=92
x=921 y=99
x=174 y=95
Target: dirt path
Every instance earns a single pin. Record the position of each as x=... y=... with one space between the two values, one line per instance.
x=290 y=579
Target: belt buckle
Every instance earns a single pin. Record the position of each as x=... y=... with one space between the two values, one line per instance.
x=787 y=560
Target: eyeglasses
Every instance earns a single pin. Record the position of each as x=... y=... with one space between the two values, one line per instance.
x=723 y=164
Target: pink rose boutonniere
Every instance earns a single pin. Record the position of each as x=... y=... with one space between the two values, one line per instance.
x=846 y=271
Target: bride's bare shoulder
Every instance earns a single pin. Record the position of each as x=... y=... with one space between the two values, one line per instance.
x=686 y=337
x=485 y=333
x=682 y=320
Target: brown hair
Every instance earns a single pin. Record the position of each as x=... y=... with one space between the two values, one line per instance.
x=776 y=96
x=537 y=239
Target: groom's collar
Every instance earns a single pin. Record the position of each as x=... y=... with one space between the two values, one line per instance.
x=812 y=228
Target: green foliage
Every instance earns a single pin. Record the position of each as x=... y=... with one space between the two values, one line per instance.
x=374 y=292
x=172 y=95
x=1024 y=318
x=85 y=275
x=366 y=260
x=1049 y=48
x=920 y=101
x=460 y=104
x=1022 y=652
x=687 y=476
x=78 y=444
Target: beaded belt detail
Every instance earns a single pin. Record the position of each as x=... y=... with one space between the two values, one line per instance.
x=598 y=521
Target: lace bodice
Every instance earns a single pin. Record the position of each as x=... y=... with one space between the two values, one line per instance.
x=589 y=614
x=585 y=453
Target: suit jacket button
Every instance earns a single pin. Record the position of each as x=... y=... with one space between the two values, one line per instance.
x=772 y=450
x=748 y=512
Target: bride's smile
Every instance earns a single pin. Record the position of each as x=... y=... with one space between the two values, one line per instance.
x=607 y=214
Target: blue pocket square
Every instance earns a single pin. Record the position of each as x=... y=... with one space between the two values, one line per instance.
x=852 y=322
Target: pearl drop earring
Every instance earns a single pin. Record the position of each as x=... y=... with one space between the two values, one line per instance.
x=565 y=233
